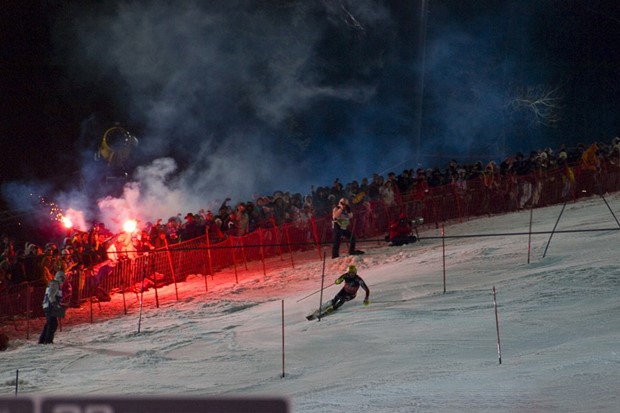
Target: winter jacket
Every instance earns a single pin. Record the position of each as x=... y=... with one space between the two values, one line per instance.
x=53 y=294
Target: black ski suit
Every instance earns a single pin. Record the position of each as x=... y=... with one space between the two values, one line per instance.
x=352 y=283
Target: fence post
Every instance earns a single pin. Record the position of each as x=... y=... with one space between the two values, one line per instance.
x=29 y=292
x=316 y=236
x=123 y=284
x=262 y=249
x=242 y=247
x=174 y=278
x=288 y=242
x=209 y=251
x=232 y=252
x=275 y=231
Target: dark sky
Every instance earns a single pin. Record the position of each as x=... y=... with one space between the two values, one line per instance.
x=233 y=98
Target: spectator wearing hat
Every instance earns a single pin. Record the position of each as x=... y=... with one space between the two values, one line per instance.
x=52 y=308
x=242 y=220
x=189 y=229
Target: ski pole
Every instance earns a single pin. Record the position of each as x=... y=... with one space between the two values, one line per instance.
x=310 y=295
x=554 y=227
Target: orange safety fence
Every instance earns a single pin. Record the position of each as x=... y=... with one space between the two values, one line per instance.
x=270 y=248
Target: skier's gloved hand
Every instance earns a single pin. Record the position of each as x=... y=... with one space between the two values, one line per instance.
x=366 y=301
x=339 y=280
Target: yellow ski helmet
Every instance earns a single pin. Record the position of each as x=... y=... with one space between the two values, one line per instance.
x=352 y=268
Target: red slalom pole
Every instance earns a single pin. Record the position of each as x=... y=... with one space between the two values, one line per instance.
x=283 y=374
x=322 y=287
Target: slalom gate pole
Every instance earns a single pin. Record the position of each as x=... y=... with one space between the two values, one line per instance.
x=123 y=293
x=499 y=348
x=174 y=278
x=610 y=210
x=16 y=381
x=288 y=242
x=443 y=244
x=554 y=227
x=234 y=259
x=322 y=283
x=262 y=250
x=209 y=252
x=529 y=239
x=141 y=297
x=316 y=236
x=282 y=338
x=29 y=292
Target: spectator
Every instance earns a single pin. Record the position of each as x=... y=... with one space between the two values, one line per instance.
x=189 y=230
x=252 y=213
x=404 y=181
x=279 y=210
x=52 y=308
x=568 y=176
x=387 y=194
x=374 y=188
x=213 y=228
x=162 y=239
x=524 y=170
x=242 y=220
x=342 y=226
x=173 y=227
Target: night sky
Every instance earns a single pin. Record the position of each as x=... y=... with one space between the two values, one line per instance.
x=234 y=98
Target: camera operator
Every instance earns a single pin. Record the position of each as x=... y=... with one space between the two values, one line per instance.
x=341 y=222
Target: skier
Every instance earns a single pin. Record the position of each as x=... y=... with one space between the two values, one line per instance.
x=52 y=308
x=352 y=283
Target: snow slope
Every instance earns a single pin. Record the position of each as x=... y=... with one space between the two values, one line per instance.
x=413 y=349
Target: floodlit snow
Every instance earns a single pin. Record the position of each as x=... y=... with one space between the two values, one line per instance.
x=413 y=349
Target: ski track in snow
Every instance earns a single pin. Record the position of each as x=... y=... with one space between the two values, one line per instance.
x=413 y=349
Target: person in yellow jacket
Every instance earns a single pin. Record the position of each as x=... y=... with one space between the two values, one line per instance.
x=589 y=159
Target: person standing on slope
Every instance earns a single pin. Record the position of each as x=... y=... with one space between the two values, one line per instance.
x=352 y=283
x=52 y=308
x=341 y=222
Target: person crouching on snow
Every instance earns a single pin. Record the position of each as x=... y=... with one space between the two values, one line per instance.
x=352 y=283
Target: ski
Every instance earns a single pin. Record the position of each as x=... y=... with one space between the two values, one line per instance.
x=327 y=309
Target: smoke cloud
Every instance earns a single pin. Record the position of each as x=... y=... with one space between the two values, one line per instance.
x=237 y=98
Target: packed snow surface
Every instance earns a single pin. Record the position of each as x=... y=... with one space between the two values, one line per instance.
x=413 y=349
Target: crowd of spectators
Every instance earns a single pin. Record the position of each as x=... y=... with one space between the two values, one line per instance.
x=83 y=250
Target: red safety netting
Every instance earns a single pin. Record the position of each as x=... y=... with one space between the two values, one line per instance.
x=271 y=248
